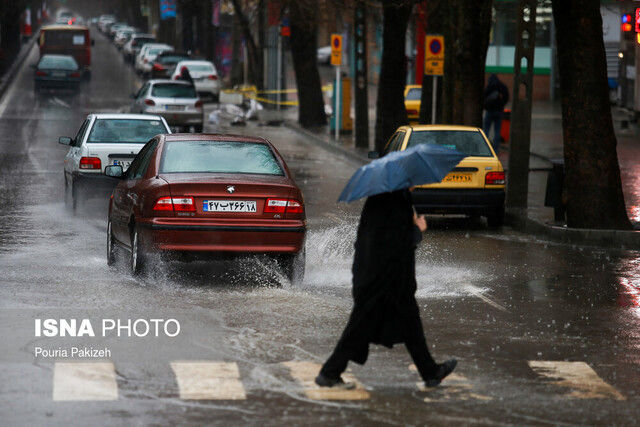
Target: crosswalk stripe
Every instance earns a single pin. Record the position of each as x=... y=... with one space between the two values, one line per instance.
x=305 y=373
x=84 y=381
x=454 y=387
x=202 y=380
x=583 y=381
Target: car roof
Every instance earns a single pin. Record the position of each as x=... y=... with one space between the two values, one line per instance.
x=174 y=53
x=441 y=127
x=180 y=82
x=64 y=27
x=195 y=62
x=413 y=86
x=125 y=116
x=145 y=35
x=214 y=137
x=56 y=56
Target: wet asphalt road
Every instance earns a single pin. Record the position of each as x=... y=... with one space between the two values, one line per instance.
x=511 y=308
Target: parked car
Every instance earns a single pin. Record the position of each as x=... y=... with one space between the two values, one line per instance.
x=412 y=96
x=164 y=62
x=135 y=43
x=176 y=101
x=115 y=28
x=204 y=195
x=204 y=75
x=73 y=40
x=102 y=140
x=147 y=54
x=57 y=71
x=474 y=187
x=324 y=55
x=104 y=21
x=122 y=36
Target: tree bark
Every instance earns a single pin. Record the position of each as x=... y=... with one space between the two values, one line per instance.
x=390 y=110
x=303 y=42
x=592 y=186
x=466 y=43
x=435 y=24
x=254 y=52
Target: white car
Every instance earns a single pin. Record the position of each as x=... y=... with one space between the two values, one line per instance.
x=204 y=75
x=147 y=54
x=122 y=36
x=136 y=41
x=324 y=55
x=102 y=140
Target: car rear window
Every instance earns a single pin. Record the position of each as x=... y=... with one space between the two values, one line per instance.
x=57 y=62
x=125 y=130
x=414 y=94
x=219 y=157
x=142 y=41
x=170 y=59
x=64 y=38
x=470 y=143
x=200 y=68
x=172 y=90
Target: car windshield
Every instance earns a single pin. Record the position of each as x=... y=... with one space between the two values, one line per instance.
x=170 y=59
x=470 y=143
x=125 y=130
x=200 y=68
x=58 y=62
x=219 y=157
x=156 y=50
x=173 y=90
x=414 y=94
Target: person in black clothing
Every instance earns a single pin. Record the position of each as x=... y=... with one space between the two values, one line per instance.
x=496 y=96
x=186 y=75
x=385 y=310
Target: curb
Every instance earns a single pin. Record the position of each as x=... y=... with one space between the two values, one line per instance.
x=11 y=72
x=323 y=143
x=620 y=239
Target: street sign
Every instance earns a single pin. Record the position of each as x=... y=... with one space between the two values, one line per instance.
x=336 y=49
x=638 y=20
x=434 y=55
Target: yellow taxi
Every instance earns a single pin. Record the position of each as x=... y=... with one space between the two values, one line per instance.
x=412 y=94
x=474 y=187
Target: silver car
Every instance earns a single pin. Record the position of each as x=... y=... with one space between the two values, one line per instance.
x=176 y=101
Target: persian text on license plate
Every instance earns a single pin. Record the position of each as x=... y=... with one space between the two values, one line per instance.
x=229 y=206
x=124 y=163
x=457 y=177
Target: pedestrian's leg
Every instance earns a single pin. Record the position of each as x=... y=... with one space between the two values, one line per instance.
x=486 y=127
x=336 y=364
x=417 y=346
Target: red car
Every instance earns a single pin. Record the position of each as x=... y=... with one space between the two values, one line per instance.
x=207 y=194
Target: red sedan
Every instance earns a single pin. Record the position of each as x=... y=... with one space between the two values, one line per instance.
x=207 y=194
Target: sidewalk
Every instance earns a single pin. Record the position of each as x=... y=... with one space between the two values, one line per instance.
x=546 y=144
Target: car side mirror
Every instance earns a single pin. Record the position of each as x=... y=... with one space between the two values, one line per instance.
x=65 y=140
x=114 y=171
x=373 y=155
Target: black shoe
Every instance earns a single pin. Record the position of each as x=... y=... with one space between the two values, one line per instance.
x=324 y=381
x=443 y=370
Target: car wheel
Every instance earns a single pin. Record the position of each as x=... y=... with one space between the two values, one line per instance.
x=137 y=260
x=215 y=98
x=496 y=218
x=293 y=267
x=87 y=76
x=197 y=128
x=111 y=255
x=74 y=196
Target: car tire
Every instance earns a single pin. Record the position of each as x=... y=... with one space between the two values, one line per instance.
x=215 y=98
x=197 y=128
x=293 y=267
x=137 y=258
x=111 y=254
x=74 y=196
x=496 y=218
x=87 y=76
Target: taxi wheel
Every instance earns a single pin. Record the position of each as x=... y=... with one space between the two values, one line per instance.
x=111 y=255
x=496 y=218
x=137 y=260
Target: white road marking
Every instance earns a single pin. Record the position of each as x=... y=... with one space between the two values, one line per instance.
x=454 y=387
x=583 y=381
x=305 y=373
x=84 y=381
x=202 y=380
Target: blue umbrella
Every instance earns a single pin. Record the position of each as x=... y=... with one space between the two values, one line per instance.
x=419 y=165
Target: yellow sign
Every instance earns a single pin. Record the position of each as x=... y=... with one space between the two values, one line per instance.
x=434 y=55
x=336 y=49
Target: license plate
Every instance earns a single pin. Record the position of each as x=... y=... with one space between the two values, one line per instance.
x=457 y=177
x=58 y=73
x=124 y=163
x=175 y=107
x=229 y=206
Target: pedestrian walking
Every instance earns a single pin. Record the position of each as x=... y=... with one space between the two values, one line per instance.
x=186 y=75
x=496 y=96
x=385 y=310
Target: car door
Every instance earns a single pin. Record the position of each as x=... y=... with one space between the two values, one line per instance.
x=138 y=102
x=125 y=196
x=72 y=159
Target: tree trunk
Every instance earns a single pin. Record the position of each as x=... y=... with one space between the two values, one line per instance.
x=390 y=110
x=303 y=41
x=435 y=24
x=592 y=186
x=466 y=43
x=254 y=52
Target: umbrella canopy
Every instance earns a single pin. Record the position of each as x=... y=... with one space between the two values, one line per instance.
x=419 y=165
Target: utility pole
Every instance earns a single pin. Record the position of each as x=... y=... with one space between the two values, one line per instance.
x=520 y=139
x=362 y=86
